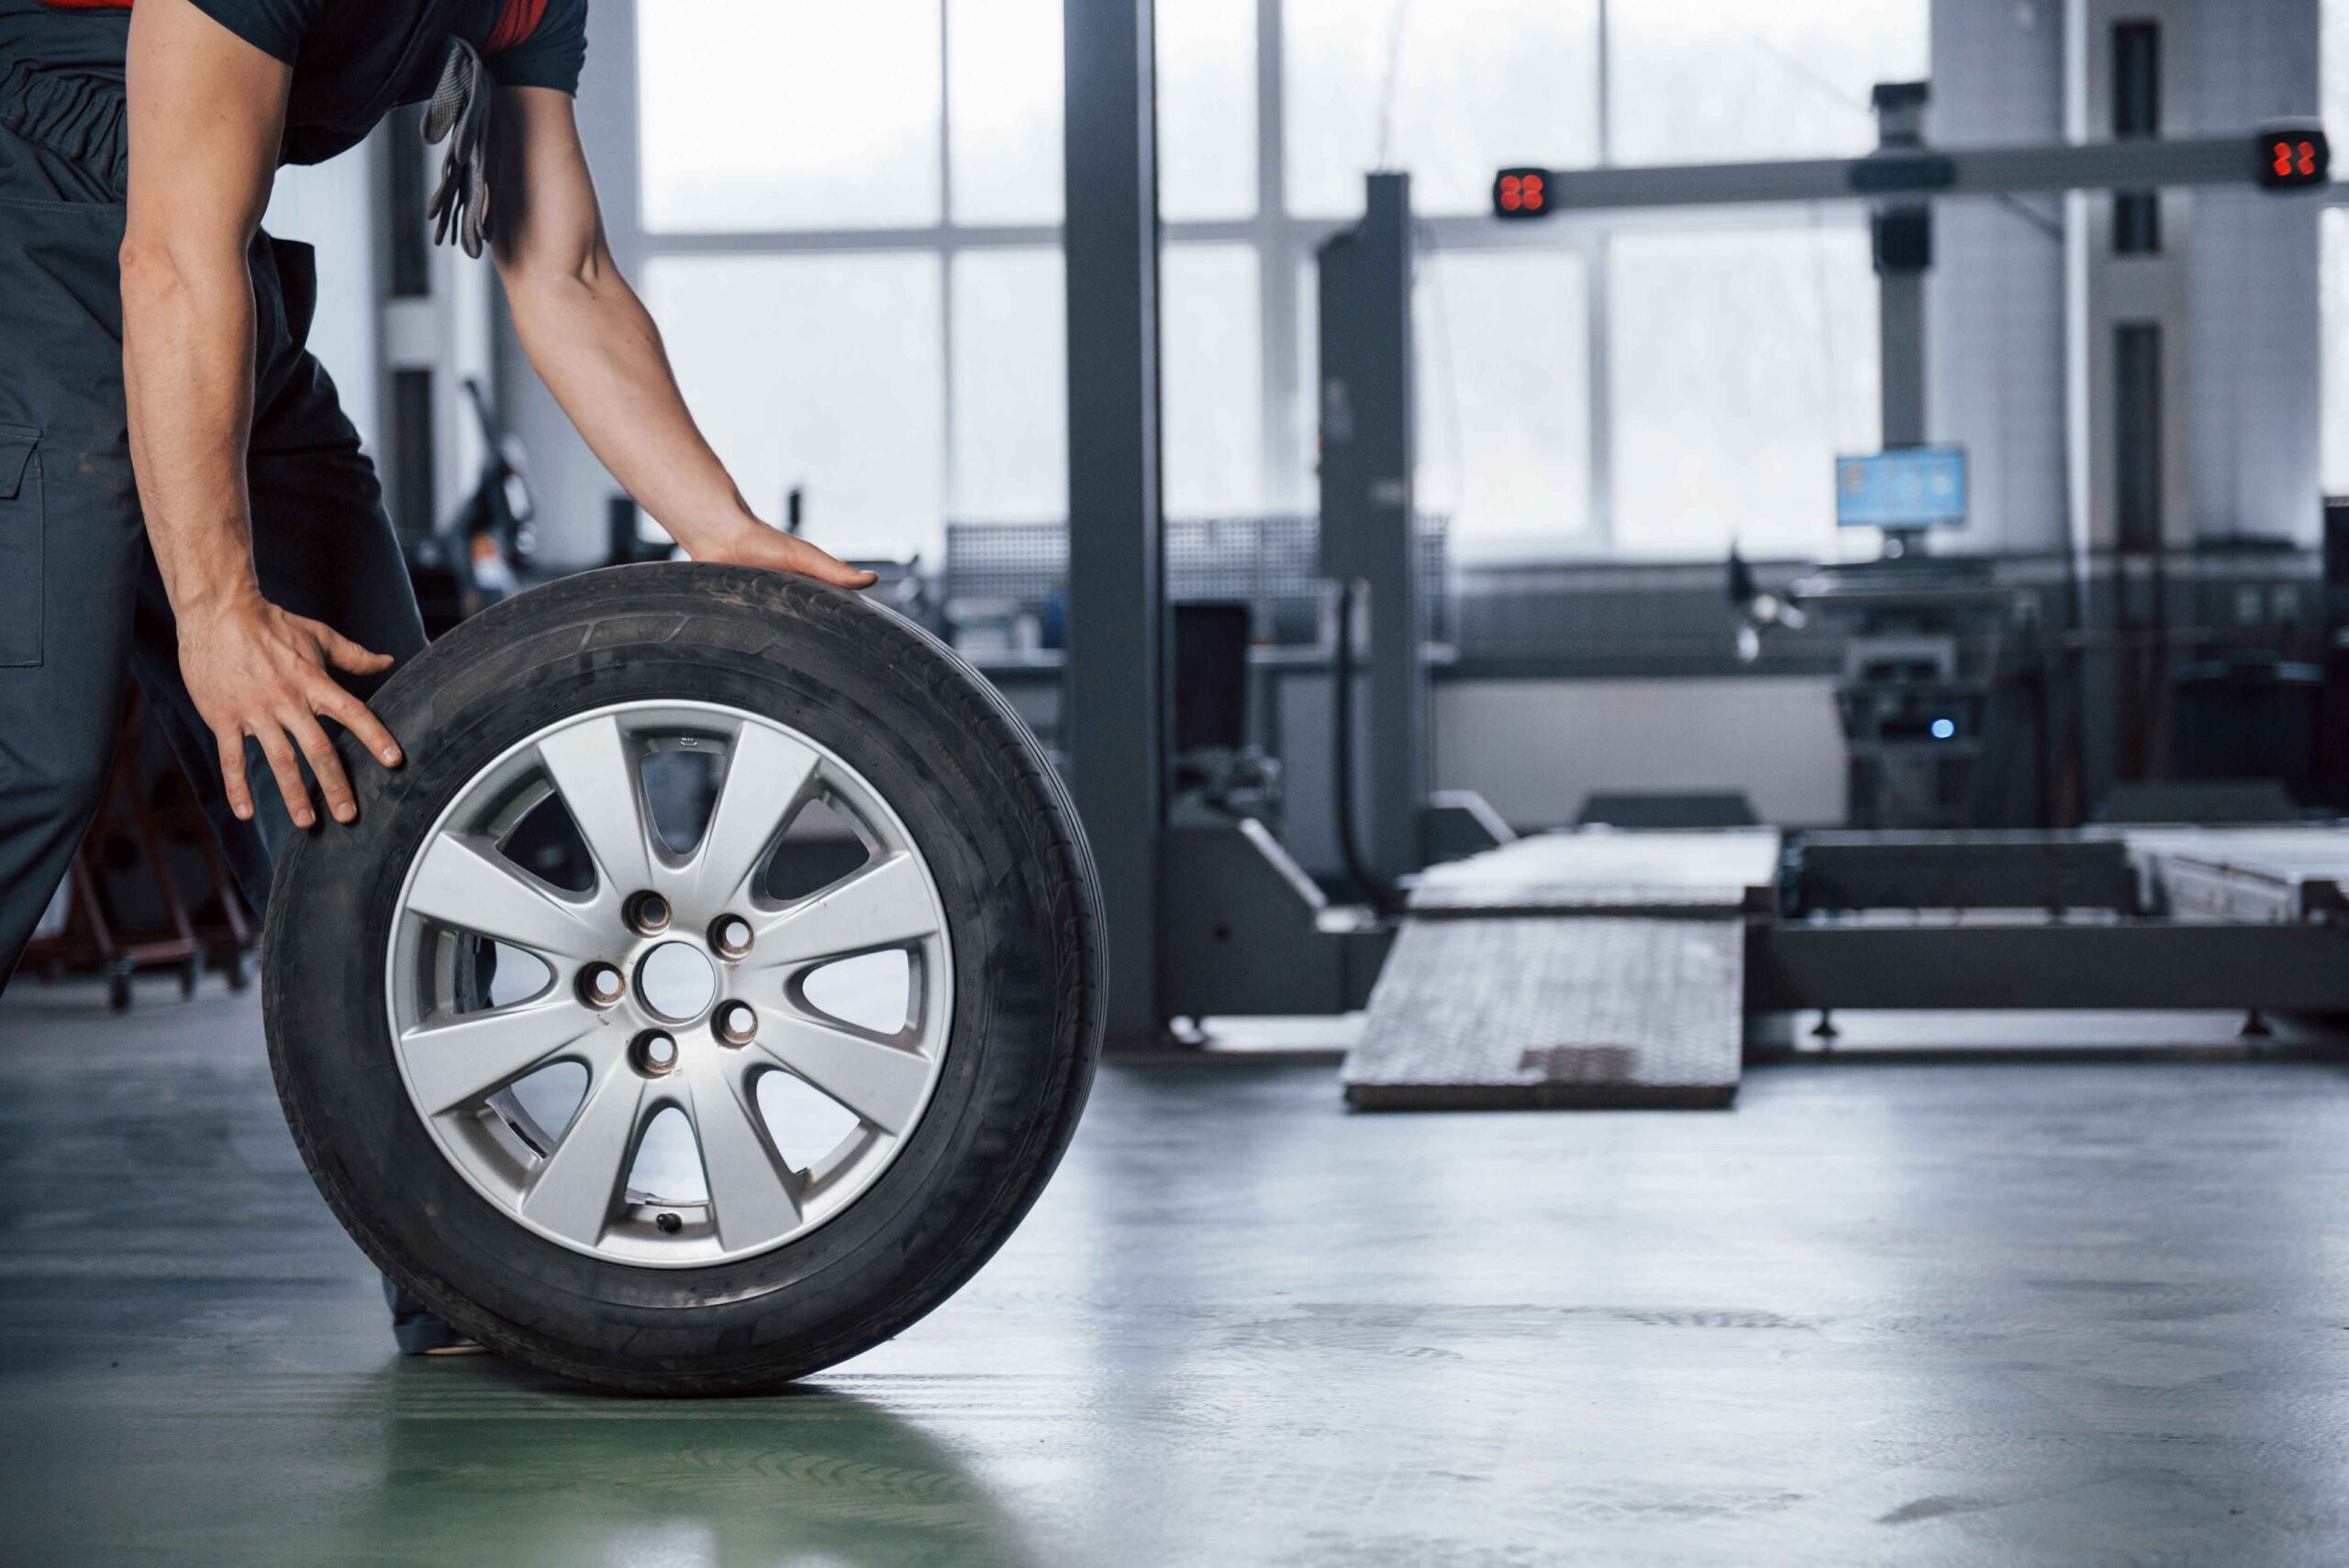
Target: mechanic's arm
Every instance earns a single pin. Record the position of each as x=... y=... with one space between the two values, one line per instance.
x=597 y=348
x=205 y=111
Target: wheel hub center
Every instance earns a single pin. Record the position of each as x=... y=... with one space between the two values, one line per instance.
x=677 y=981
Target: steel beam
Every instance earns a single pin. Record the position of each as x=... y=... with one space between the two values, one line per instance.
x=1900 y=348
x=1116 y=699
x=2126 y=964
x=1971 y=172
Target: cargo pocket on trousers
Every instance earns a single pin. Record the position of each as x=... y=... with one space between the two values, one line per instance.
x=20 y=545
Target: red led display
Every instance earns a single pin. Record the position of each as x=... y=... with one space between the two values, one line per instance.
x=2289 y=158
x=1521 y=193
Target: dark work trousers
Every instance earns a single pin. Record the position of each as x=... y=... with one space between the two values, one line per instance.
x=82 y=605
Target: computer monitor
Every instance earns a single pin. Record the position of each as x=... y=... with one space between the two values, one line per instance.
x=1901 y=491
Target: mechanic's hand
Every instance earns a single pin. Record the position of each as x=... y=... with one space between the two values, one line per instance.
x=756 y=544
x=257 y=670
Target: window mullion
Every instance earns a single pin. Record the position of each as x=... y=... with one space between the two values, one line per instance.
x=1599 y=335
x=949 y=474
x=1275 y=269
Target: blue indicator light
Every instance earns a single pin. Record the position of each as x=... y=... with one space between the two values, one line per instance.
x=1944 y=728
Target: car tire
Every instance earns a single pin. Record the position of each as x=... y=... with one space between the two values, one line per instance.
x=974 y=797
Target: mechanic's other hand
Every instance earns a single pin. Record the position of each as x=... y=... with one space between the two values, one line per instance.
x=756 y=544
x=259 y=671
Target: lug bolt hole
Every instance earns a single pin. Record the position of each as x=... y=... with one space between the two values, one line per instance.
x=731 y=936
x=737 y=1023
x=601 y=985
x=655 y=1052
x=648 y=914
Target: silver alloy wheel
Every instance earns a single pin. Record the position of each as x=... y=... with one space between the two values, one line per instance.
x=652 y=915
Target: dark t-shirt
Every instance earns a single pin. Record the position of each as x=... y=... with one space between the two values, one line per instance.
x=353 y=61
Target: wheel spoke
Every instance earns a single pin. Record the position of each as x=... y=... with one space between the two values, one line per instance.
x=882 y=1084
x=766 y=777
x=885 y=905
x=594 y=766
x=459 y=1061
x=574 y=1192
x=750 y=1186
x=463 y=881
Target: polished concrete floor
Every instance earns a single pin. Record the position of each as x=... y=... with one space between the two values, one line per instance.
x=1884 y=1312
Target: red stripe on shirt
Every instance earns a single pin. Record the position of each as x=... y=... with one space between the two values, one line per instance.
x=516 y=21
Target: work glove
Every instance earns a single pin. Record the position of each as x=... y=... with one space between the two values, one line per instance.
x=460 y=105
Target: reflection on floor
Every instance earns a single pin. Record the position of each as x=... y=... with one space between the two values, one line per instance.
x=1883 y=1311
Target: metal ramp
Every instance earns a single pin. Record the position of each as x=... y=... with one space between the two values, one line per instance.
x=1575 y=970
x=2268 y=876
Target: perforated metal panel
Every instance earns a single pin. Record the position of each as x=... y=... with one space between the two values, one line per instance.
x=1268 y=562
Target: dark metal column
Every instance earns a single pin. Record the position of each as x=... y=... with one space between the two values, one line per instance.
x=1902 y=336
x=1113 y=728
x=1369 y=530
x=1903 y=235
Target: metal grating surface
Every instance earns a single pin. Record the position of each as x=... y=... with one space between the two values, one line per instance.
x=1269 y=563
x=1583 y=1013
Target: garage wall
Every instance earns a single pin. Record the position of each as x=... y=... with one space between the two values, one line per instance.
x=331 y=207
x=1994 y=312
x=2254 y=368
x=573 y=490
x=1537 y=748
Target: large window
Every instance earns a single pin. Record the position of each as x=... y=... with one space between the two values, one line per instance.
x=1745 y=363
x=1210 y=381
x=2333 y=51
x=1004 y=87
x=1010 y=392
x=789 y=114
x=851 y=214
x=1503 y=432
x=822 y=372
x=1727 y=81
x=1451 y=91
x=1206 y=110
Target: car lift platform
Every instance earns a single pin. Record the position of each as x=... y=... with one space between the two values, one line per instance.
x=1601 y=968
x=1573 y=970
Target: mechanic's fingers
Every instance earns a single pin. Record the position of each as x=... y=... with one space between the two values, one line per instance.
x=232 y=773
x=347 y=655
x=354 y=716
x=279 y=753
x=333 y=781
x=818 y=564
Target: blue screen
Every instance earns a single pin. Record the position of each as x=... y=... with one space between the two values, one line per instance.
x=1917 y=488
